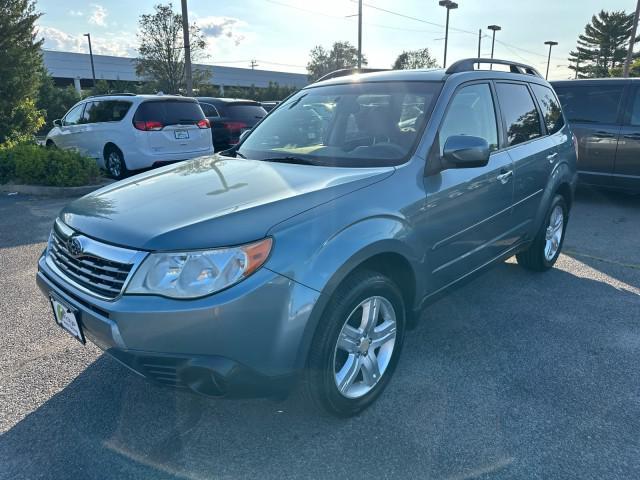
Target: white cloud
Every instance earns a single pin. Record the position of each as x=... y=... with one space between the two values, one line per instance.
x=227 y=29
x=98 y=15
x=120 y=44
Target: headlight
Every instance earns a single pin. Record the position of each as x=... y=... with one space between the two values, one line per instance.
x=198 y=273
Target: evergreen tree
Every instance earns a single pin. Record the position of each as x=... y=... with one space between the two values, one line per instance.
x=19 y=75
x=603 y=45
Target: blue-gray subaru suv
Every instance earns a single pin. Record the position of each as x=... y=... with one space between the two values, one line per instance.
x=302 y=255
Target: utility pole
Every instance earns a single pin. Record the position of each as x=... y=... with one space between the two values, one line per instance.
x=627 y=62
x=479 y=43
x=360 y=34
x=495 y=28
x=551 y=43
x=187 y=50
x=449 y=5
x=254 y=64
x=93 y=70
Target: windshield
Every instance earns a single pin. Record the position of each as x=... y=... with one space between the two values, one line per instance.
x=352 y=125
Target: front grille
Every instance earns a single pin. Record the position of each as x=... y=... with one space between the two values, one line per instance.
x=97 y=274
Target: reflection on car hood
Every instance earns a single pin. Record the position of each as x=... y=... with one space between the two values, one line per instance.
x=210 y=201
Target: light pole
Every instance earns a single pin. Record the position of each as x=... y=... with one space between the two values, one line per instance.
x=188 y=79
x=359 y=34
x=551 y=43
x=93 y=70
x=494 y=28
x=449 y=5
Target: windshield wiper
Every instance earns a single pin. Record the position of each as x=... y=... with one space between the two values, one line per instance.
x=290 y=159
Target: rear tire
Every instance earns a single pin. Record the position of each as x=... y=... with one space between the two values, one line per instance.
x=545 y=249
x=354 y=352
x=114 y=163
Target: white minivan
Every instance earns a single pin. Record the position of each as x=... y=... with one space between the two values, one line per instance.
x=127 y=132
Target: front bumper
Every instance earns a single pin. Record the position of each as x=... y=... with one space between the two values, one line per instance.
x=243 y=341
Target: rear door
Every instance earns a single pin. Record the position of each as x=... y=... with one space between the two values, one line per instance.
x=594 y=112
x=627 y=165
x=172 y=126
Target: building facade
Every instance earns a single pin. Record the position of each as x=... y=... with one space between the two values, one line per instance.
x=68 y=68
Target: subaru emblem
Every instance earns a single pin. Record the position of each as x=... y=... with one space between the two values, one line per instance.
x=74 y=246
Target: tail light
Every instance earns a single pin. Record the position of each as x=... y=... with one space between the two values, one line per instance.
x=204 y=123
x=234 y=131
x=148 y=125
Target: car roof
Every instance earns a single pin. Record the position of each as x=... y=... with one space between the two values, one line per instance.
x=426 y=75
x=139 y=98
x=222 y=100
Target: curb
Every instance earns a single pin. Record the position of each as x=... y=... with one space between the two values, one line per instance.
x=45 y=191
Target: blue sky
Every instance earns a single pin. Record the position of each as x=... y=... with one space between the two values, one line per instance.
x=280 y=33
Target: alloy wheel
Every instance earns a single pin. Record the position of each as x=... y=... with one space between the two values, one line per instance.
x=553 y=234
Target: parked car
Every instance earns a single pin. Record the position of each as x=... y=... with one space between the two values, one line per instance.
x=229 y=118
x=127 y=132
x=605 y=116
x=270 y=105
x=303 y=255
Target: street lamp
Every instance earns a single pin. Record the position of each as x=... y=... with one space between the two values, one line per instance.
x=551 y=43
x=93 y=70
x=494 y=28
x=449 y=5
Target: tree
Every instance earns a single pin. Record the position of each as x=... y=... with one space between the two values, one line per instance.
x=603 y=45
x=54 y=101
x=414 y=59
x=341 y=55
x=161 y=50
x=19 y=75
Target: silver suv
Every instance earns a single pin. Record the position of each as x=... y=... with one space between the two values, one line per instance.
x=302 y=256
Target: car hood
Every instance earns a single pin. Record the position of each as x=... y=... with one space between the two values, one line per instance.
x=209 y=202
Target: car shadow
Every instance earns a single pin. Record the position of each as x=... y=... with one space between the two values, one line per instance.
x=514 y=375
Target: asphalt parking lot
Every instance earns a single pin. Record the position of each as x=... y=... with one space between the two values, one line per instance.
x=515 y=375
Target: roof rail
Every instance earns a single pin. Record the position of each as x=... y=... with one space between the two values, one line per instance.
x=112 y=95
x=467 y=65
x=343 y=72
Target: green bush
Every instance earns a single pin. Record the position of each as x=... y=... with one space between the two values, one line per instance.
x=36 y=165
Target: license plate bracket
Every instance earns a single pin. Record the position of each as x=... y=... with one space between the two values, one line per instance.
x=67 y=318
x=181 y=134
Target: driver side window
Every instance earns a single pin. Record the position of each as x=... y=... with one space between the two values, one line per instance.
x=471 y=112
x=73 y=117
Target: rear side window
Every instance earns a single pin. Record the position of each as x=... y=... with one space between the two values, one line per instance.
x=551 y=111
x=634 y=120
x=209 y=110
x=169 y=112
x=471 y=112
x=105 y=111
x=520 y=113
x=590 y=103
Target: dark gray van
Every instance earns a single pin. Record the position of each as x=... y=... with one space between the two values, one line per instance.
x=604 y=114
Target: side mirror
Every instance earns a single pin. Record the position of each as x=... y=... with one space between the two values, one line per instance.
x=57 y=122
x=465 y=151
x=244 y=134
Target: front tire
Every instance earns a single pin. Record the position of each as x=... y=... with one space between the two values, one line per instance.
x=545 y=249
x=357 y=345
x=114 y=163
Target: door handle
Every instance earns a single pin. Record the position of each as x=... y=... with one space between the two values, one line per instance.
x=603 y=135
x=504 y=177
x=552 y=157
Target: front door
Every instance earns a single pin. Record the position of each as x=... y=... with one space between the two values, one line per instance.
x=71 y=128
x=627 y=166
x=468 y=210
